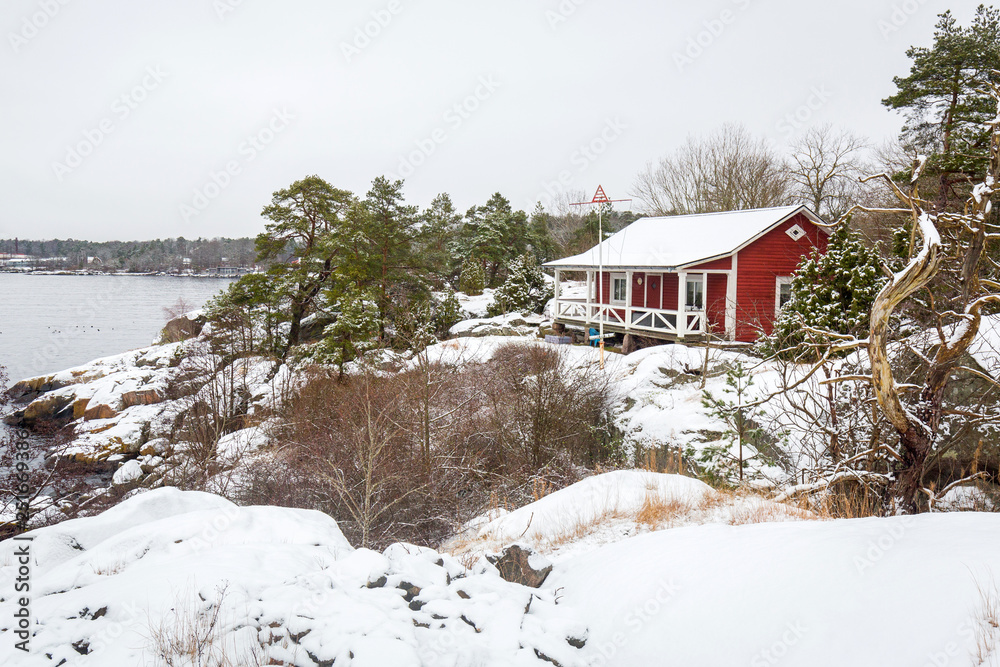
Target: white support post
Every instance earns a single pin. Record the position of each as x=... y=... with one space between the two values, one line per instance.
x=682 y=317
x=731 y=301
x=703 y=329
x=556 y=296
x=628 y=299
x=590 y=292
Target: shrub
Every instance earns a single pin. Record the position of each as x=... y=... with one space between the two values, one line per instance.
x=472 y=280
x=524 y=290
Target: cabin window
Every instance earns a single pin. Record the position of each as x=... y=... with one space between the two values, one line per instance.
x=783 y=293
x=619 y=288
x=695 y=293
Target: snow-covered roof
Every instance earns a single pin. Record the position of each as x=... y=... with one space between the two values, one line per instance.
x=682 y=240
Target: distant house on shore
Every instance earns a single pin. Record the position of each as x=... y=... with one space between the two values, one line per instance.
x=229 y=271
x=13 y=259
x=684 y=277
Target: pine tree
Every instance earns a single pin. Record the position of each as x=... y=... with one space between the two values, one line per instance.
x=524 y=290
x=831 y=291
x=947 y=101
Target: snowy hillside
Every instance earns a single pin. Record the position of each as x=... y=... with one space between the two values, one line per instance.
x=277 y=586
x=610 y=507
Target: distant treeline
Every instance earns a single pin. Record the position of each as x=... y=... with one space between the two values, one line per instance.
x=137 y=256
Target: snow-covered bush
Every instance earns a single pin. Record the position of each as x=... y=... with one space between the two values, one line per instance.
x=473 y=278
x=447 y=313
x=524 y=290
x=831 y=291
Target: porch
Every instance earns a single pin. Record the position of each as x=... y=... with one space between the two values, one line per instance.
x=660 y=303
x=654 y=322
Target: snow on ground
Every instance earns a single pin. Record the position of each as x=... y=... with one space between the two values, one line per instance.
x=281 y=584
x=611 y=507
x=902 y=591
x=480 y=350
x=284 y=586
x=476 y=306
x=118 y=403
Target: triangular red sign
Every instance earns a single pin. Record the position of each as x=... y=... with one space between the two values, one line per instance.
x=600 y=197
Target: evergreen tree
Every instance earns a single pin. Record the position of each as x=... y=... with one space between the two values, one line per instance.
x=447 y=313
x=351 y=335
x=246 y=318
x=306 y=220
x=473 y=278
x=524 y=290
x=720 y=462
x=947 y=102
x=495 y=233
x=382 y=230
x=440 y=224
x=831 y=291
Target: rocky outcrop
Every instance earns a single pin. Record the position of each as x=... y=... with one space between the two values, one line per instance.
x=182 y=328
x=512 y=324
x=520 y=565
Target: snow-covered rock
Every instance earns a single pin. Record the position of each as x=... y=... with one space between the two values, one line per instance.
x=511 y=324
x=476 y=306
x=266 y=585
x=129 y=472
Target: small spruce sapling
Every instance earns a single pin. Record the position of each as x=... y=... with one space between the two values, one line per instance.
x=733 y=410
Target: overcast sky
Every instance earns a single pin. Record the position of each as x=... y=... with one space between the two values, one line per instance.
x=138 y=120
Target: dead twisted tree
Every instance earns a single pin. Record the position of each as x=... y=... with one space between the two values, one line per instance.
x=952 y=250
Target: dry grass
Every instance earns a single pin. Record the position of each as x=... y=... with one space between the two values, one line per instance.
x=193 y=637
x=657 y=511
x=988 y=623
x=769 y=512
x=540 y=488
x=664 y=459
x=843 y=502
x=109 y=569
x=575 y=531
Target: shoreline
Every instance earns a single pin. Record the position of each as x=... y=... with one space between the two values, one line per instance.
x=153 y=274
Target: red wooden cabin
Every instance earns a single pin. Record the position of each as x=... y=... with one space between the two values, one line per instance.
x=682 y=277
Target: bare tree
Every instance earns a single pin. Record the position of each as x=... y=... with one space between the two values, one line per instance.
x=728 y=170
x=826 y=164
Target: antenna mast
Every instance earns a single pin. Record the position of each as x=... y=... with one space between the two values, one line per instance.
x=600 y=199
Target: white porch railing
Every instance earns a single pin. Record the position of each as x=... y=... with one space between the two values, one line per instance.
x=673 y=322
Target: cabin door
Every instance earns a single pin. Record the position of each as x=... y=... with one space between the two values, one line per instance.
x=654 y=290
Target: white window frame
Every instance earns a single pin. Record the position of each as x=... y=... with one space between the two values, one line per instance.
x=778 y=282
x=695 y=278
x=615 y=277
